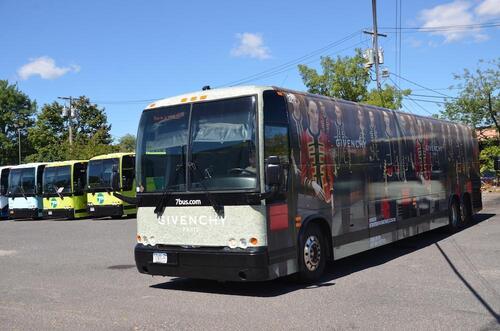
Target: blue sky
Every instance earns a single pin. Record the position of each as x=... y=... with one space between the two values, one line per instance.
x=120 y=52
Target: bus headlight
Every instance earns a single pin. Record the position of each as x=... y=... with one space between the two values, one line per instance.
x=232 y=243
x=243 y=243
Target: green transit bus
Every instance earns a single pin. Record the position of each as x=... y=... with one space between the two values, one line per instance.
x=109 y=175
x=64 y=193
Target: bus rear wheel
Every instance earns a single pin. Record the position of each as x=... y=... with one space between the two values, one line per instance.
x=312 y=254
x=455 y=216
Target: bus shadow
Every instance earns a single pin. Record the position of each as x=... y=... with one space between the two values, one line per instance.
x=334 y=270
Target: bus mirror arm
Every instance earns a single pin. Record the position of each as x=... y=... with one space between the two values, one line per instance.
x=130 y=200
x=269 y=194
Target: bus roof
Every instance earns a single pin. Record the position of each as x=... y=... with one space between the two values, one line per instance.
x=236 y=91
x=110 y=156
x=65 y=163
x=208 y=95
x=29 y=165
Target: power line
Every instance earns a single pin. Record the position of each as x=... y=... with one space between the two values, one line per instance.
x=293 y=62
x=288 y=68
x=432 y=96
x=420 y=85
x=423 y=100
x=411 y=99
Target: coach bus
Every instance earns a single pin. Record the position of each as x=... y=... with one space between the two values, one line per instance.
x=64 y=190
x=4 y=183
x=25 y=191
x=109 y=175
x=255 y=183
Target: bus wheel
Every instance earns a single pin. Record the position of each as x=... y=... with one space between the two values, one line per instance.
x=465 y=208
x=312 y=254
x=454 y=216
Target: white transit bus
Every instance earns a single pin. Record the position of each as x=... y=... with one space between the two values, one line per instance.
x=25 y=191
x=254 y=183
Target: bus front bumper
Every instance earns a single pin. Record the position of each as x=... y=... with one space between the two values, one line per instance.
x=205 y=263
x=20 y=213
x=105 y=210
x=59 y=213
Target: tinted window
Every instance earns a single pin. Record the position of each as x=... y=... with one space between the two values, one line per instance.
x=128 y=172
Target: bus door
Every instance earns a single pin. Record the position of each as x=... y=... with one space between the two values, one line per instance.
x=38 y=187
x=281 y=231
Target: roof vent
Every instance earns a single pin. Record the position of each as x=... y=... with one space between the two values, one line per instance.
x=206 y=87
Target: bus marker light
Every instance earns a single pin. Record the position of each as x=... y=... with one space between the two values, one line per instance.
x=203 y=97
x=151 y=105
x=298 y=221
x=184 y=99
x=193 y=98
x=232 y=243
x=253 y=241
x=243 y=243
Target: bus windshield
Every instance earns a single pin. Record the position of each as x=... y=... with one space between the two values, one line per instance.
x=22 y=181
x=219 y=137
x=100 y=171
x=57 y=180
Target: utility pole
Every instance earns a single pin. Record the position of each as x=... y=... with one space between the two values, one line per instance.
x=19 y=143
x=376 y=52
x=71 y=114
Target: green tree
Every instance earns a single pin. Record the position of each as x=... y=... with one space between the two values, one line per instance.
x=344 y=77
x=90 y=120
x=347 y=78
x=388 y=97
x=91 y=132
x=478 y=103
x=49 y=135
x=486 y=158
x=126 y=143
x=16 y=113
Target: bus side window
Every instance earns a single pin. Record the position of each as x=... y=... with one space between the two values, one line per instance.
x=4 y=182
x=128 y=172
x=276 y=130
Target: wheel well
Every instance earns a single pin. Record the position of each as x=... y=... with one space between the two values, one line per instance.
x=325 y=228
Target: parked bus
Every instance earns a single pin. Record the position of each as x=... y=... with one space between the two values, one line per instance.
x=108 y=175
x=25 y=191
x=263 y=182
x=64 y=190
x=4 y=183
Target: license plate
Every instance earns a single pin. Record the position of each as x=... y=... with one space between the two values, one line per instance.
x=92 y=209
x=50 y=212
x=160 y=258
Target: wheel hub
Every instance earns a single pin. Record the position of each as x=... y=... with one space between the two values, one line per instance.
x=312 y=253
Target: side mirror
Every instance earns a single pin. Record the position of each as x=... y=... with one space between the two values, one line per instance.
x=274 y=171
x=115 y=181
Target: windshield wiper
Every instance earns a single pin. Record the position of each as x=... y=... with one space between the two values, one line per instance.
x=219 y=209
x=160 y=206
x=56 y=189
x=22 y=191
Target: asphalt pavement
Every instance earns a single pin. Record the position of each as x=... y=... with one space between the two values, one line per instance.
x=80 y=275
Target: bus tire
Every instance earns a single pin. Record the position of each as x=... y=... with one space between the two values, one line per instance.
x=455 y=218
x=312 y=254
x=466 y=210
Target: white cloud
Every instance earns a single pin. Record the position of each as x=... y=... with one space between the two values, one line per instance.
x=488 y=8
x=45 y=67
x=454 y=13
x=251 y=45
